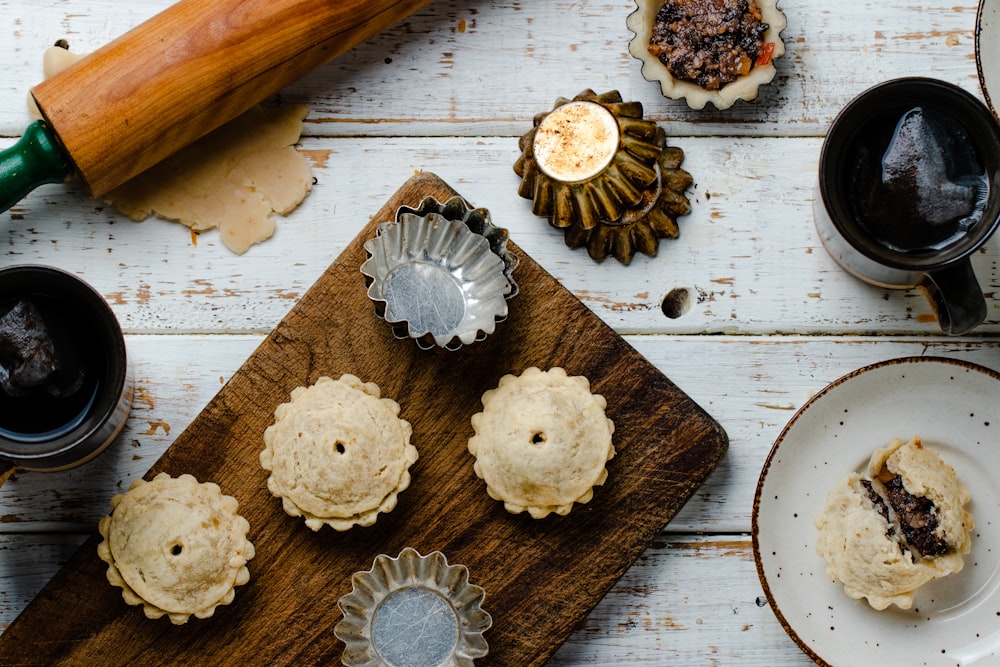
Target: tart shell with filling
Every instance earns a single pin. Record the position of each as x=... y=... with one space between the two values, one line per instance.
x=642 y=23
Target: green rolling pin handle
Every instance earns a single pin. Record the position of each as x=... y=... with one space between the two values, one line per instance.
x=34 y=160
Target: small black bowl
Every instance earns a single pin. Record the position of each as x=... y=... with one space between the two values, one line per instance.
x=66 y=387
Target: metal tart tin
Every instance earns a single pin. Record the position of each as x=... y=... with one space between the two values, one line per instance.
x=588 y=159
x=655 y=217
x=38 y=432
x=604 y=175
x=440 y=274
x=413 y=610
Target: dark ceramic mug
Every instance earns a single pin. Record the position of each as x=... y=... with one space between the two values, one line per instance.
x=65 y=383
x=909 y=189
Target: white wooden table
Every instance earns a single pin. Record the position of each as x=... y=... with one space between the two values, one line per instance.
x=772 y=318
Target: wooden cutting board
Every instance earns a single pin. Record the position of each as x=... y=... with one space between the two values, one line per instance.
x=541 y=576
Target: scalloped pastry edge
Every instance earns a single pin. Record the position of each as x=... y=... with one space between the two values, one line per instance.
x=746 y=87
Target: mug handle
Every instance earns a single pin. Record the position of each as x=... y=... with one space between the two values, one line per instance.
x=956 y=296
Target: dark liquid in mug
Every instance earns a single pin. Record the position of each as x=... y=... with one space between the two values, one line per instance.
x=917 y=183
x=51 y=365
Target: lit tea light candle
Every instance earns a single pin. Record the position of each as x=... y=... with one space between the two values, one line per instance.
x=576 y=141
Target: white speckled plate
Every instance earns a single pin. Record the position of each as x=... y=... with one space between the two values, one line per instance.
x=988 y=50
x=954 y=407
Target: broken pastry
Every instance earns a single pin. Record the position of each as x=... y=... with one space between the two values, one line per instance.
x=234 y=179
x=904 y=523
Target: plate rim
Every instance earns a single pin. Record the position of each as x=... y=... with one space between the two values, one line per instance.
x=979 y=58
x=755 y=527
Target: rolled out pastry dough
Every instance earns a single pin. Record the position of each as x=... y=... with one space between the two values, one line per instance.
x=234 y=179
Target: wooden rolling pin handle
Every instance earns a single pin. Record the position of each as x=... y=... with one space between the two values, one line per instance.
x=191 y=68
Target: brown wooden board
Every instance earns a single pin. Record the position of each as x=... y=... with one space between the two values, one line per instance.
x=541 y=576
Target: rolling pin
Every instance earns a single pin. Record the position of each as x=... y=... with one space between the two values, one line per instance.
x=173 y=79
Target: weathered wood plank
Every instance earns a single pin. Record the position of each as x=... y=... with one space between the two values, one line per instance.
x=650 y=617
x=748 y=257
x=449 y=91
x=765 y=380
x=690 y=600
x=461 y=67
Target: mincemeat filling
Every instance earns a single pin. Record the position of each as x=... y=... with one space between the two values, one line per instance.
x=878 y=502
x=917 y=519
x=708 y=42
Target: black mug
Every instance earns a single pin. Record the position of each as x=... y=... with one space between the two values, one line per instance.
x=65 y=383
x=909 y=189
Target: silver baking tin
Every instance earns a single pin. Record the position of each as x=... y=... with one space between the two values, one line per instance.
x=440 y=273
x=413 y=610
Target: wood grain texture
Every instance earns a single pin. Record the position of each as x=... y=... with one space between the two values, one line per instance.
x=649 y=618
x=689 y=599
x=541 y=577
x=771 y=319
x=766 y=380
x=748 y=254
x=472 y=68
x=191 y=68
